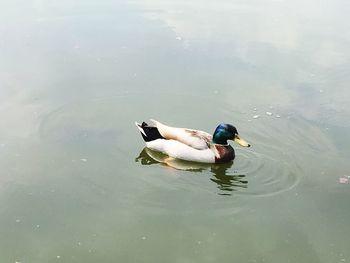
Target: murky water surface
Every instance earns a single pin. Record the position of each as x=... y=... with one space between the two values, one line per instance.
x=77 y=184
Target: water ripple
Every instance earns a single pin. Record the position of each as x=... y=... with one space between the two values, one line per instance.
x=251 y=174
x=266 y=175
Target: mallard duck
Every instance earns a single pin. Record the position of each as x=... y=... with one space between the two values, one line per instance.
x=192 y=145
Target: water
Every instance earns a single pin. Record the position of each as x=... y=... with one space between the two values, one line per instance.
x=77 y=184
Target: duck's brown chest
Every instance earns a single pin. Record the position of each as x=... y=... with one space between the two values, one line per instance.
x=225 y=153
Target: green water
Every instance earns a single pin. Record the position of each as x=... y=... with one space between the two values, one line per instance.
x=77 y=185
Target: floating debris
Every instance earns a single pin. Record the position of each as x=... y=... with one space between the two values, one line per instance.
x=344 y=180
x=256 y=116
x=269 y=113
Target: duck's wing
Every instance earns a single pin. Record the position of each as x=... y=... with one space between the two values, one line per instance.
x=199 y=140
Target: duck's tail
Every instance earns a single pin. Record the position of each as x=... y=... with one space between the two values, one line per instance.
x=149 y=133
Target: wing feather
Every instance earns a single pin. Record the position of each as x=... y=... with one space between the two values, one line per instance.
x=199 y=140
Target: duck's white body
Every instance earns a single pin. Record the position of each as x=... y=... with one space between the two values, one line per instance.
x=179 y=150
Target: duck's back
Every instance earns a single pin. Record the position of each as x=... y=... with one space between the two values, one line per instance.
x=199 y=140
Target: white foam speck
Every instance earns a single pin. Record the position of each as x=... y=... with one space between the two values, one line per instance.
x=343 y=180
x=268 y=113
x=178 y=38
x=58 y=257
x=18 y=220
x=143 y=238
x=256 y=116
x=278 y=116
x=83 y=160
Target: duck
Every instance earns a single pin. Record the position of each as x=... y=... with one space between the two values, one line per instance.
x=190 y=144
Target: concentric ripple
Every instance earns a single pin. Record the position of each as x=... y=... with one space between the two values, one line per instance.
x=266 y=175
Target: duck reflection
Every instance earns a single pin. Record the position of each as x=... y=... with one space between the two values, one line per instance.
x=226 y=182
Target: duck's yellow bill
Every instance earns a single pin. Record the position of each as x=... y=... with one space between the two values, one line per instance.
x=241 y=141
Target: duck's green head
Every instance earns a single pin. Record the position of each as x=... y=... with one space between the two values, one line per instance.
x=226 y=132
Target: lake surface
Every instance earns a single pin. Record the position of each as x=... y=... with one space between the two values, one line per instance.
x=77 y=185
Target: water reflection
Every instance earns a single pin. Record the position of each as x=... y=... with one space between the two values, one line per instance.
x=225 y=180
